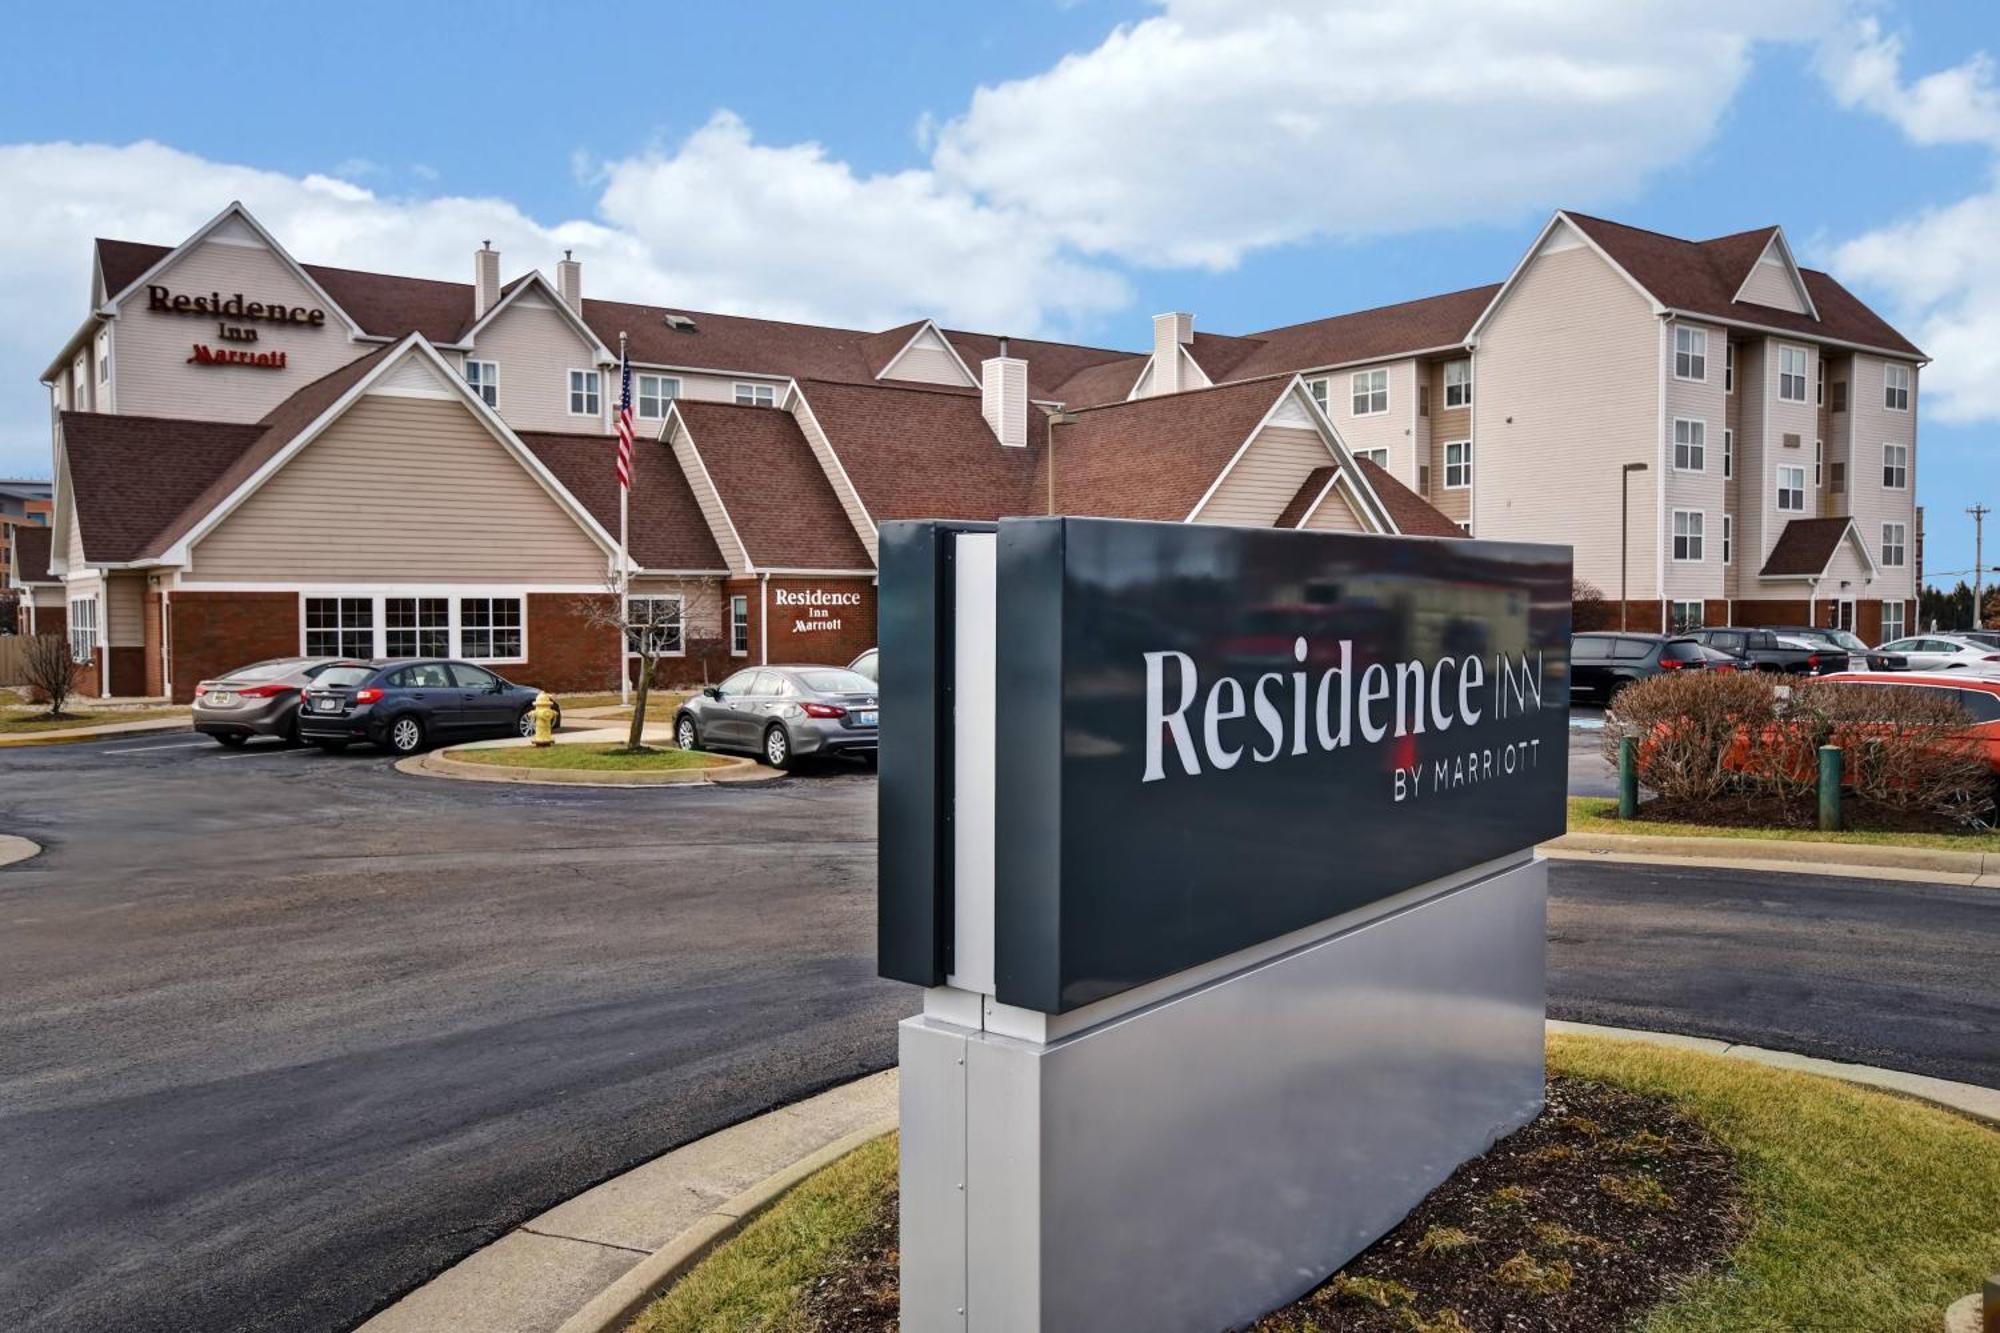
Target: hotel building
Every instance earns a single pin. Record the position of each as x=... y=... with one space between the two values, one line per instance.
x=256 y=456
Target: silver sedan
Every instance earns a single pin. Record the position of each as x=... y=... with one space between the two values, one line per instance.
x=261 y=699
x=1946 y=652
x=784 y=713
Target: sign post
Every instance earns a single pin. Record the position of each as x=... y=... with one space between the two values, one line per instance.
x=1213 y=851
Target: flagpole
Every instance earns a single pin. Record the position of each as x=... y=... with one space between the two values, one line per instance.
x=624 y=562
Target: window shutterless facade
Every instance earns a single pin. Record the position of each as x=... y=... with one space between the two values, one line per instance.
x=1690 y=531
x=83 y=629
x=340 y=627
x=739 y=625
x=1892 y=621
x=416 y=627
x=583 y=400
x=490 y=629
x=1728 y=453
x=1792 y=373
x=1728 y=538
x=756 y=395
x=1819 y=460
x=104 y=358
x=1690 y=445
x=655 y=621
x=1370 y=392
x=1896 y=466
x=1686 y=616
x=1457 y=464
x=1791 y=490
x=1728 y=367
x=484 y=378
x=1690 y=353
x=1458 y=383
x=1317 y=388
x=1379 y=457
x=1895 y=387
x=656 y=393
x=1895 y=544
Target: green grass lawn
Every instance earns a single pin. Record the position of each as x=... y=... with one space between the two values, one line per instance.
x=590 y=758
x=1870 y=1211
x=1596 y=814
x=15 y=721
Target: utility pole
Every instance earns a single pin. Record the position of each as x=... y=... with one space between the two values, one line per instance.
x=1979 y=513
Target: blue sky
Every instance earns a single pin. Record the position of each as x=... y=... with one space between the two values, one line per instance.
x=1036 y=167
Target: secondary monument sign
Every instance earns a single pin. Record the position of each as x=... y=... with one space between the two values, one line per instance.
x=1213 y=849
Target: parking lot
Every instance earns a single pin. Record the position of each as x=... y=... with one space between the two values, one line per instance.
x=290 y=1032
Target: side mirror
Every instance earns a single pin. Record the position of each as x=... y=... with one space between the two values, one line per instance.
x=712 y=691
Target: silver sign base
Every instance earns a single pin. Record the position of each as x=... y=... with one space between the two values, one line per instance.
x=1221 y=1150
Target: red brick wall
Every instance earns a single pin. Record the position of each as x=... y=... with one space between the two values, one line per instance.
x=155 y=685
x=216 y=632
x=1755 y=613
x=128 y=670
x=831 y=634
x=566 y=653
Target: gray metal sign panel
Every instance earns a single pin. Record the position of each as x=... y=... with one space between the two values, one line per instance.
x=1209 y=737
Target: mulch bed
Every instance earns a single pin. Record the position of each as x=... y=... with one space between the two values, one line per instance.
x=1753 y=811
x=1581 y=1221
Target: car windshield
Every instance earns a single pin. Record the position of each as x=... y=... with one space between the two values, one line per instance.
x=335 y=677
x=836 y=680
x=1851 y=642
x=271 y=670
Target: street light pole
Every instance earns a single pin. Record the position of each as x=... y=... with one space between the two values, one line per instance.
x=1624 y=530
x=1979 y=513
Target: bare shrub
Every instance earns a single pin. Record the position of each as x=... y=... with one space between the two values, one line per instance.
x=1587 y=608
x=1903 y=747
x=51 y=672
x=1691 y=730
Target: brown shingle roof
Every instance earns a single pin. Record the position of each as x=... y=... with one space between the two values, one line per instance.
x=31 y=553
x=1368 y=335
x=1049 y=364
x=1099 y=385
x=913 y=453
x=1414 y=516
x=124 y=499
x=1296 y=509
x=1805 y=546
x=666 y=530
x=1702 y=277
x=779 y=500
x=1155 y=457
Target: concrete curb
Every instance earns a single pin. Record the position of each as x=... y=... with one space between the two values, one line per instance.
x=1852 y=860
x=109 y=731
x=14 y=849
x=439 y=764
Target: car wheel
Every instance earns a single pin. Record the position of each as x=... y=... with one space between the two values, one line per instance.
x=331 y=746
x=406 y=735
x=685 y=734
x=526 y=725
x=234 y=740
x=870 y=760
x=291 y=735
x=777 y=747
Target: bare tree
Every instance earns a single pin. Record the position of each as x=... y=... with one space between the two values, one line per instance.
x=653 y=624
x=51 y=671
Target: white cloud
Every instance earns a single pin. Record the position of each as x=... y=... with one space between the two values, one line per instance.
x=1938 y=271
x=1221 y=126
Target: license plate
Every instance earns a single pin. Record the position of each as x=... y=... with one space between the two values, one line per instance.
x=221 y=699
x=327 y=705
x=866 y=719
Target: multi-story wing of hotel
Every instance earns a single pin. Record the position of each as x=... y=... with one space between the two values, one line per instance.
x=256 y=456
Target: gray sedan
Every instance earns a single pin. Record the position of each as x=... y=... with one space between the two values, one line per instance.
x=261 y=699
x=783 y=713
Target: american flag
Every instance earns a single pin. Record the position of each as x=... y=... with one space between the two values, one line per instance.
x=625 y=422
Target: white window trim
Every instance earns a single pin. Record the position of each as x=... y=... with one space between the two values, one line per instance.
x=1902 y=559
x=1728 y=366
x=1693 y=334
x=1779 y=489
x=1907 y=386
x=453 y=595
x=1320 y=388
x=1901 y=628
x=1369 y=393
x=1465 y=467
x=1464 y=386
x=1819 y=464
x=489 y=378
x=596 y=380
x=666 y=402
x=1378 y=455
x=1691 y=537
x=73 y=622
x=1675 y=442
x=1887 y=445
x=737 y=622
x=1804 y=375
x=749 y=393
x=675 y=597
x=1728 y=539
x=1728 y=453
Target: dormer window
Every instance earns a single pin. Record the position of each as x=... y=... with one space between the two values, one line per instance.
x=1458 y=383
x=756 y=395
x=484 y=379
x=1690 y=353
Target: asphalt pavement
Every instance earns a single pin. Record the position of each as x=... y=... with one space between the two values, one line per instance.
x=287 y=1033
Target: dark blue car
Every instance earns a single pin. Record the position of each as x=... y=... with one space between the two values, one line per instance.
x=408 y=703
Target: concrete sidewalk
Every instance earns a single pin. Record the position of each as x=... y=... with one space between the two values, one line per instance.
x=1928 y=865
x=109 y=731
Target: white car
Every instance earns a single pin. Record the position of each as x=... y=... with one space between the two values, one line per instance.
x=1946 y=652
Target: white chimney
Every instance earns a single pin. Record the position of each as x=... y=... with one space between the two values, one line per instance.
x=1171 y=332
x=485 y=279
x=1003 y=397
x=569 y=282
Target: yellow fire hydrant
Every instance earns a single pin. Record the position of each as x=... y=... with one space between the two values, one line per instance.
x=544 y=713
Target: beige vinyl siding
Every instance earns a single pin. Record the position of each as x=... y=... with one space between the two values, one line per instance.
x=155 y=377
x=709 y=501
x=536 y=348
x=1446 y=425
x=1389 y=430
x=1266 y=477
x=1703 y=491
x=1568 y=392
x=927 y=361
x=1336 y=513
x=1770 y=283
x=73 y=547
x=1868 y=500
x=125 y=611
x=1783 y=418
x=707 y=388
x=46 y=598
x=836 y=476
x=1754 y=475
x=399 y=490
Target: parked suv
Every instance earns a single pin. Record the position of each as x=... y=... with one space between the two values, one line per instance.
x=1768 y=651
x=408 y=703
x=1603 y=664
x=782 y=713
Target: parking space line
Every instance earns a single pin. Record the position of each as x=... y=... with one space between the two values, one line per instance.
x=149 y=749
